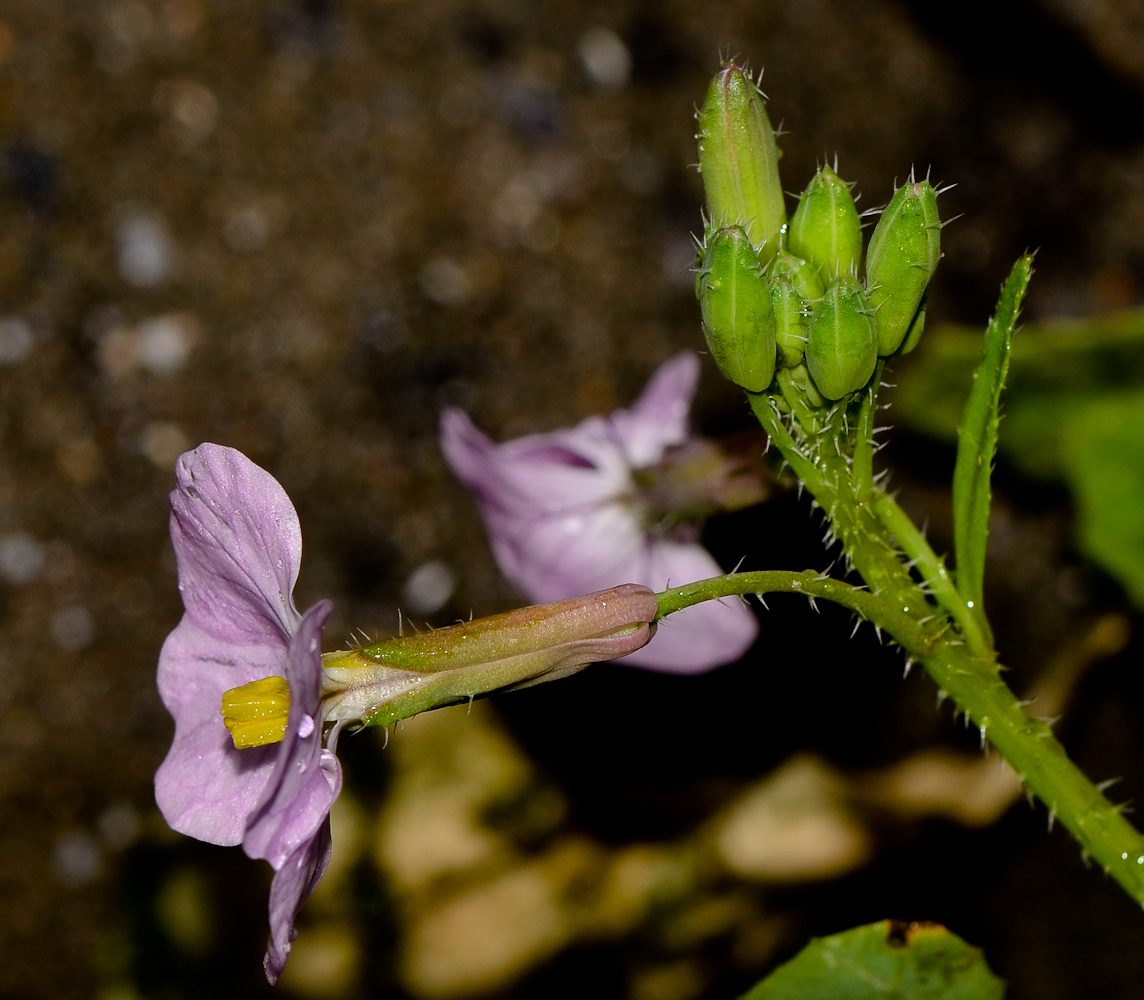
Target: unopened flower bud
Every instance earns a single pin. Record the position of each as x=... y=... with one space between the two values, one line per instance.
x=903 y=254
x=825 y=228
x=917 y=328
x=791 y=317
x=799 y=272
x=738 y=316
x=842 y=348
x=800 y=378
x=739 y=160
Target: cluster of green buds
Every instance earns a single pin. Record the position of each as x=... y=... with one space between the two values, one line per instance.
x=791 y=295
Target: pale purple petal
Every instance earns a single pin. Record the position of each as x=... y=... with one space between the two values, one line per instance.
x=538 y=475
x=238 y=546
x=658 y=419
x=552 y=558
x=290 y=888
x=206 y=788
x=307 y=777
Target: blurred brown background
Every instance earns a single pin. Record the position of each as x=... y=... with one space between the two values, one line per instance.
x=301 y=228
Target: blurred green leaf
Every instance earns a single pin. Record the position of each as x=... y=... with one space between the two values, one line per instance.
x=884 y=961
x=977 y=442
x=1074 y=412
x=1105 y=445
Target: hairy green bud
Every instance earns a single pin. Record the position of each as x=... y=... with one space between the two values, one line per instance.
x=825 y=228
x=799 y=272
x=842 y=348
x=738 y=316
x=800 y=378
x=791 y=315
x=794 y=285
x=739 y=160
x=903 y=254
x=917 y=328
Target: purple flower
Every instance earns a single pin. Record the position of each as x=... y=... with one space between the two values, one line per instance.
x=238 y=546
x=565 y=516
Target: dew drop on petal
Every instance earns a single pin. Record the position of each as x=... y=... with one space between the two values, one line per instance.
x=305 y=727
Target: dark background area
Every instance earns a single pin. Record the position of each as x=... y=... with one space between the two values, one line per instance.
x=303 y=227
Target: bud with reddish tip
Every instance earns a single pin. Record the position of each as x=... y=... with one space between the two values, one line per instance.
x=739 y=160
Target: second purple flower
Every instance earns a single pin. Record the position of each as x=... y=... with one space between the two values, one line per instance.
x=570 y=511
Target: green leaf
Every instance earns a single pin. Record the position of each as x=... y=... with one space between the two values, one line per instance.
x=1105 y=444
x=884 y=961
x=977 y=441
x=1074 y=411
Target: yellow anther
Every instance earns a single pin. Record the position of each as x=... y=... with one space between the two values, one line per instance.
x=255 y=714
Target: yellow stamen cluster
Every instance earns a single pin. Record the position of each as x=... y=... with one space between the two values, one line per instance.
x=256 y=713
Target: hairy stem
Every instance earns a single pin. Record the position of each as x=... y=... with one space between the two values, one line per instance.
x=932 y=622
x=975 y=686
x=932 y=569
x=917 y=640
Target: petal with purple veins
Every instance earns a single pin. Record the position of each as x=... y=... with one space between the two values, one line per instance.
x=238 y=546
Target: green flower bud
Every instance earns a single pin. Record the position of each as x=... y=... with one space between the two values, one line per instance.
x=739 y=160
x=794 y=285
x=825 y=228
x=799 y=272
x=800 y=377
x=791 y=317
x=843 y=342
x=738 y=317
x=903 y=254
x=914 y=333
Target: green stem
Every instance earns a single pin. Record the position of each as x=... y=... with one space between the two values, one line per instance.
x=795 y=398
x=866 y=541
x=799 y=464
x=916 y=639
x=932 y=569
x=874 y=532
x=1041 y=762
x=974 y=683
x=864 y=437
